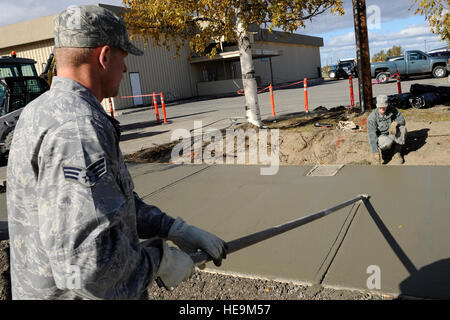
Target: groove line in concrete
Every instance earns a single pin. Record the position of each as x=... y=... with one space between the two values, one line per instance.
x=334 y=249
x=174 y=183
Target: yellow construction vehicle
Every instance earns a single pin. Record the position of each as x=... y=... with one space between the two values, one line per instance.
x=49 y=69
x=19 y=85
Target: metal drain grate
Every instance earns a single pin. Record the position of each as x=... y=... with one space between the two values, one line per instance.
x=325 y=170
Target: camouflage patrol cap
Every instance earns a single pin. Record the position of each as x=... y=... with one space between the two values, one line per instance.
x=91 y=26
x=382 y=101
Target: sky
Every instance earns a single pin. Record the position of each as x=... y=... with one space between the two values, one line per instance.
x=390 y=23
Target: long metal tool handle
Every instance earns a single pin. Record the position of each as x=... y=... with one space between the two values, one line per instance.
x=241 y=243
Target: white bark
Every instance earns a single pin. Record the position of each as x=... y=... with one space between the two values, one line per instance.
x=248 y=76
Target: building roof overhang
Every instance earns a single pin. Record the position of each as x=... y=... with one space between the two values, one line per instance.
x=235 y=56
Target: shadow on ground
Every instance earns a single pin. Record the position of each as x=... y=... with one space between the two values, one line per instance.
x=137 y=135
x=138 y=125
x=192 y=114
x=431 y=281
x=4 y=230
x=415 y=140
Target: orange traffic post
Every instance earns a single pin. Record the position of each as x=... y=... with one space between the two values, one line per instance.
x=272 y=100
x=399 y=85
x=305 y=88
x=352 y=96
x=163 y=106
x=111 y=109
x=155 y=104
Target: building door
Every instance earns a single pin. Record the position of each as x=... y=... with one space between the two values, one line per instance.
x=136 y=88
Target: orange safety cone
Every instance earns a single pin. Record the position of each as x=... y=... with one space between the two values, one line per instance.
x=305 y=88
x=163 y=106
x=272 y=100
x=399 y=85
x=352 y=96
x=111 y=109
x=155 y=104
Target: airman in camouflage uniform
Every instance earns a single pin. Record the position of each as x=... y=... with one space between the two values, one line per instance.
x=74 y=219
x=386 y=128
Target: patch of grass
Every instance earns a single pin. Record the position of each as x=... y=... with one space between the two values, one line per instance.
x=434 y=114
x=161 y=154
x=306 y=123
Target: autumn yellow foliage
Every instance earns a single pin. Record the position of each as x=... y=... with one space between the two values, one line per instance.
x=438 y=15
x=203 y=23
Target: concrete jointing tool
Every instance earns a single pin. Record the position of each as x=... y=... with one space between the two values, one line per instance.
x=201 y=257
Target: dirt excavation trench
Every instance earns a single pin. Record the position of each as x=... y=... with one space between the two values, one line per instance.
x=316 y=138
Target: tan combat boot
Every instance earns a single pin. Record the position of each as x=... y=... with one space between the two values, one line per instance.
x=397 y=158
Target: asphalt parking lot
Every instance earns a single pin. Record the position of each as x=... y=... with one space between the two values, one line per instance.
x=140 y=129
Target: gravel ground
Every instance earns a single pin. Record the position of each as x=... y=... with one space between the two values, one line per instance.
x=5 y=281
x=204 y=285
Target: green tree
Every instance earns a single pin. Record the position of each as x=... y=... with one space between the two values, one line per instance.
x=395 y=51
x=438 y=15
x=379 y=57
x=204 y=23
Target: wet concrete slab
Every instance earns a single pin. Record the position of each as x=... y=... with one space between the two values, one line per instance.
x=407 y=232
x=403 y=230
x=234 y=201
x=150 y=178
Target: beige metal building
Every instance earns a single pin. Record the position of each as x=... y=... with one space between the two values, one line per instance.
x=278 y=58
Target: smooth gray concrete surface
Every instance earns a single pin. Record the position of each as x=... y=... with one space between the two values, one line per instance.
x=2 y=174
x=405 y=235
x=225 y=205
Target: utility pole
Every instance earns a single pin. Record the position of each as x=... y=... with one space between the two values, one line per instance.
x=362 y=54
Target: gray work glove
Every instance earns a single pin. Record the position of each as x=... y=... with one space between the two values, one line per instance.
x=175 y=266
x=393 y=128
x=190 y=239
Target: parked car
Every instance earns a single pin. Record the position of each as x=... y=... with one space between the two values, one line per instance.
x=441 y=52
x=344 y=69
x=395 y=58
x=414 y=62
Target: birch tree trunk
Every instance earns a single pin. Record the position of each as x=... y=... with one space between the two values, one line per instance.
x=248 y=76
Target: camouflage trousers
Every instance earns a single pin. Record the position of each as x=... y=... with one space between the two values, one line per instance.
x=385 y=142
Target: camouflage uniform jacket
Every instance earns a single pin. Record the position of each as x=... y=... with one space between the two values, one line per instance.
x=378 y=124
x=74 y=219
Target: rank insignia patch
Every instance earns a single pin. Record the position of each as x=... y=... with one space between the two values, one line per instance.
x=87 y=177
